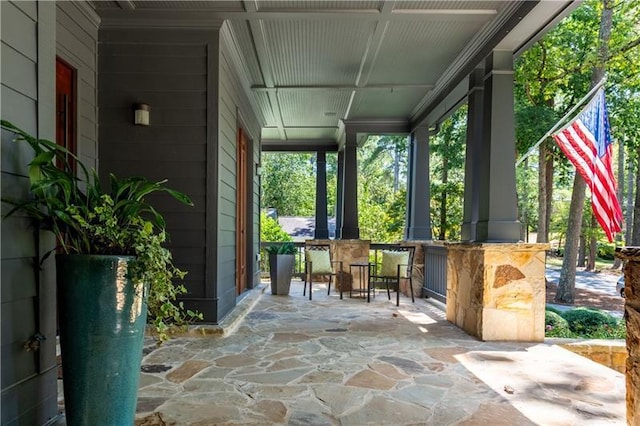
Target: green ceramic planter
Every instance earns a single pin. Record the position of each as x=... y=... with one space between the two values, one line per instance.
x=102 y=316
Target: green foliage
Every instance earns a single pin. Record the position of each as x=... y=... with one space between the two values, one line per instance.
x=586 y=321
x=289 y=183
x=583 y=323
x=555 y=325
x=284 y=248
x=606 y=250
x=271 y=231
x=447 y=176
x=91 y=221
x=382 y=188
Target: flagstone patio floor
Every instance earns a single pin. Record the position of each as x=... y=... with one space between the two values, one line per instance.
x=288 y=360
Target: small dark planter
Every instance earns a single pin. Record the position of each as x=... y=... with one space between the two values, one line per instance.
x=280 y=272
x=102 y=316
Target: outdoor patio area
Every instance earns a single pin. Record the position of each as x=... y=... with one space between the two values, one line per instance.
x=288 y=360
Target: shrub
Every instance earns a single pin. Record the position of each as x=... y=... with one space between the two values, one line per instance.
x=606 y=250
x=585 y=321
x=271 y=231
x=555 y=325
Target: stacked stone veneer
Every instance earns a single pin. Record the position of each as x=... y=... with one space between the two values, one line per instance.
x=496 y=291
x=610 y=353
x=348 y=251
x=631 y=255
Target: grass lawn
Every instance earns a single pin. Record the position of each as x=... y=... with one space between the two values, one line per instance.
x=600 y=263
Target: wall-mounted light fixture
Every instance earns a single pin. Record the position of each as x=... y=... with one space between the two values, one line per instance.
x=141 y=115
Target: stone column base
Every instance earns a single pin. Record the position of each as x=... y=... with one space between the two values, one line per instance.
x=496 y=291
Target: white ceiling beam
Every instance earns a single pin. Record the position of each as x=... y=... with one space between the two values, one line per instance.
x=324 y=88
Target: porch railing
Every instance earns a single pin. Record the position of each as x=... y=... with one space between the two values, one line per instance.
x=435 y=272
x=298 y=270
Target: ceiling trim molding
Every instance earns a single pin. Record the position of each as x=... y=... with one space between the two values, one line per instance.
x=299 y=145
x=241 y=76
x=172 y=23
x=89 y=12
x=262 y=52
x=324 y=88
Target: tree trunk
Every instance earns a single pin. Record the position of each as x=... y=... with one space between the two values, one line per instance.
x=549 y=191
x=443 y=205
x=582 y=251
x=630 y=198
x=593 y=244
x=617 y=263
x=567 y=282
x=543 y=231
x=396 y=167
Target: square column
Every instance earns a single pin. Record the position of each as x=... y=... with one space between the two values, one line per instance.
x=339 y=194
x=498 y=206
x=322 y=225
x=497 y=292
x=418 y=191
x=471 y=207
x=350 y=229
x=631 y=256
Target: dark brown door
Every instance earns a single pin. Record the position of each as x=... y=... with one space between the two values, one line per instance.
x=65 y=107
x=241 y=213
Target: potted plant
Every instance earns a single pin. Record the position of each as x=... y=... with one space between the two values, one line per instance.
x=282 y=259
x=110 y=267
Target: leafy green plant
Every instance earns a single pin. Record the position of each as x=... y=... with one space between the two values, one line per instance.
x=284 y=248
x=87 y=220
x=586 y=321
x=271 y=231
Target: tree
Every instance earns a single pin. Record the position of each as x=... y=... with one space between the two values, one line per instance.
x=447 y=169
x=288 y=183
x=566 y=284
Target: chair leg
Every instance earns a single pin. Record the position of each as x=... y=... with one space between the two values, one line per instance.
x=413 y=300
x=386 y=281
x=310 y=287
x=304 y=290
x=398 y=293
x=329 y=287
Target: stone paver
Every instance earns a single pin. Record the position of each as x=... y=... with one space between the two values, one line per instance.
x=345 y=362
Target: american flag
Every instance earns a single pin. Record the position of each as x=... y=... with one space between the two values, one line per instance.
x=587 y=143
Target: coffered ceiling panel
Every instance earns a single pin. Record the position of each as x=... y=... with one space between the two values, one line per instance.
x=385 y=103
x=316 y=52
x=427 y=49
x=313 y=107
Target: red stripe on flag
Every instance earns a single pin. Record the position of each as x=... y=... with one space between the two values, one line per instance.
x=579 y=145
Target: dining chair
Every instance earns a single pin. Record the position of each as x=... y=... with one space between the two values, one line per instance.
x=318 y=263
x=397 y=264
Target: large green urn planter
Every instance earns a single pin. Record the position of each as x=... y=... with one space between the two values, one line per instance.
x=280 y=272
x=102 y=316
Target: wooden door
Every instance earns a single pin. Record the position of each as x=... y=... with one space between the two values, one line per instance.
x=65 y=107
x=241 y=212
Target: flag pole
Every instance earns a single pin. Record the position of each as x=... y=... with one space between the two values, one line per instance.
x=557 y=125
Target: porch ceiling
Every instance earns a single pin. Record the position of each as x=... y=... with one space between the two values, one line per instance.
x=308 y=66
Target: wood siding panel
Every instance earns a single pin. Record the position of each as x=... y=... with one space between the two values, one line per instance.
x=166 y=69
x=19 y=72
x=234 y=111
x=29 y=385
x=20 y=407
x=18 y=30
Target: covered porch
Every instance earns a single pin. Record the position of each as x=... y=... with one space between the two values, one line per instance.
x=288 y=360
